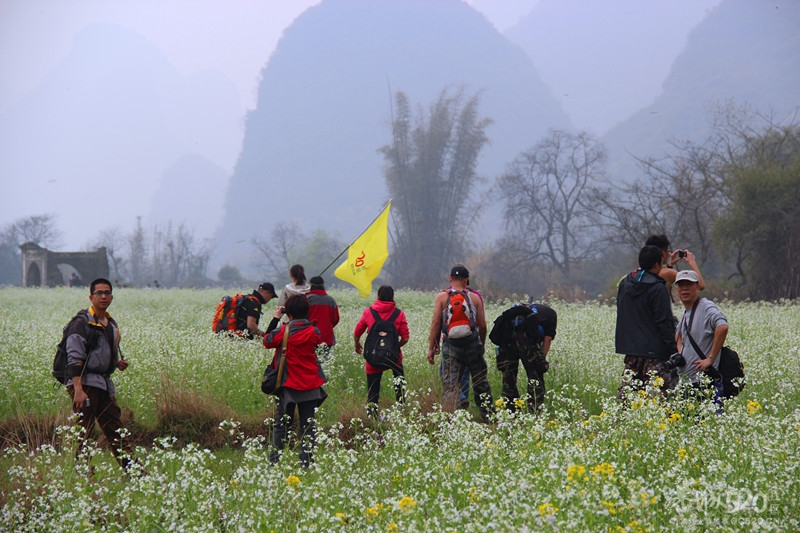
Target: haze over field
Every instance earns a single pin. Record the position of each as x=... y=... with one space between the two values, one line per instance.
x=155 y=101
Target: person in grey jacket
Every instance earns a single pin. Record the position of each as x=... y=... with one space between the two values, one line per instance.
x=92 y=356
x=645 y=331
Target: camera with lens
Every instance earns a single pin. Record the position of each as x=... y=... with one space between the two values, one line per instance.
x=675 y=361
x=681 y=253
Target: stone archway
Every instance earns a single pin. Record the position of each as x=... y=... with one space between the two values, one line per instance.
x=34 y=275
x=40 y=266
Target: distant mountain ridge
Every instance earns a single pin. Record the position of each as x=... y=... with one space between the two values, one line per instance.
x=110 y=120
x=744 y=52
x=310 y=150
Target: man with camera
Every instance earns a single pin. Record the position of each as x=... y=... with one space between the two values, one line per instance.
x=645 y=331
x=702 y=331
x=670 y=258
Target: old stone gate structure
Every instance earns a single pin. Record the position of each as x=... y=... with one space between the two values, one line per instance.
x=40 y=266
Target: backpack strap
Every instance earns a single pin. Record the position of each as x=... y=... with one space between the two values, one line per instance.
x=377 y=317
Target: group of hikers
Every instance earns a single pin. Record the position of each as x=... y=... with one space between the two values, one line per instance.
x=301 y=332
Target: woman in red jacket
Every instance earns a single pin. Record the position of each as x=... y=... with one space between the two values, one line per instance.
x=384 y=306
x=302 y=380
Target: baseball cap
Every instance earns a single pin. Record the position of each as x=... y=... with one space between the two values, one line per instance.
x=459 y=272
x=268 y=287
x=687 y=275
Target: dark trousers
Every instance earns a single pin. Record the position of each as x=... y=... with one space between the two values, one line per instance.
x=284 y=416
x=374 y=385
x=104 y=410
x=637 y=374
x=456 y=359
x=535 y=366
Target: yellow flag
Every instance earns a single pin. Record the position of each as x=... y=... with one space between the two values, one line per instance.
x=366 y=255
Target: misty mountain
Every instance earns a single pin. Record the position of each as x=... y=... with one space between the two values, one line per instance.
x=190 y=193
x=93 y=140
x=605 y=61
x=744 y=52
x=324 y=107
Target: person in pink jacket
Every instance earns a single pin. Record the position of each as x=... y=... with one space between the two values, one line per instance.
x=384 y=306
x=302 y=381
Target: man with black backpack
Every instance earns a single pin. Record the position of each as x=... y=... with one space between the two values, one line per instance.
x=92 y=353
x=523 y=333
x=387 y=332
x=458 y=319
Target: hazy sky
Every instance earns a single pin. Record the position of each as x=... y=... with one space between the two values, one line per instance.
x=233 y=37
x=36 y=34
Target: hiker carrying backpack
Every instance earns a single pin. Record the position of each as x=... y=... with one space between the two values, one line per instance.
x=382 y=349
x=519 y=334
x=240 y=314
x=516 y=332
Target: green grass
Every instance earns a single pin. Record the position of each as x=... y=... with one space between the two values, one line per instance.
x=584 y=464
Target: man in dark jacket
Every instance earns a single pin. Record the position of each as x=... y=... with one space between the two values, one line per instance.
x=248 y=316
x=645 y=327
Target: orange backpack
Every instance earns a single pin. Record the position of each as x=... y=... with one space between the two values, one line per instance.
x=459 y=315
x=227 y=312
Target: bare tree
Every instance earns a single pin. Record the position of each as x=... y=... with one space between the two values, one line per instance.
x=38 y=229
x=112 y=239
x=430 y=173
x=550 y=197
x=274 y=254
x=679 y=196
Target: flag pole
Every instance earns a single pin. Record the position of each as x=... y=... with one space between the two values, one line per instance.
x=357 y=236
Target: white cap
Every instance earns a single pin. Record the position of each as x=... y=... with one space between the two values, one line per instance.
x=687 y=275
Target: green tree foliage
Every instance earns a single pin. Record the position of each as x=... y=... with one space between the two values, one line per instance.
x=550 y=195
x=230 y=275
x=760 y=227
x=430 y=174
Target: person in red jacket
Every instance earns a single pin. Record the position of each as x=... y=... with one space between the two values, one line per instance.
x=302 y=380
x=384 y=306
x=324 y=313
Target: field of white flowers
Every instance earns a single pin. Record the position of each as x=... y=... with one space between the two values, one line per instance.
x=583 y=464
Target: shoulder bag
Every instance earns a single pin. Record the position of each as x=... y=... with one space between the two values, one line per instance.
x=731 y=369
x=273 y=375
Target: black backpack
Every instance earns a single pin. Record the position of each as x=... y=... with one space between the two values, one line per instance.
x=382 y=347
x=517 y=331
x=60 y=360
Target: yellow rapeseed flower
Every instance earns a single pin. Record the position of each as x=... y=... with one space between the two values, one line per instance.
x=658 y=381
x=393 y=527
x=682 y=453
x=342 y=517
x=753 y=407
x=375 y=510
x=576 y=471
x=293 y=481
x=675 y=417
x=519 y=403
x=407 y=503
x=499 y=403
x=547 y=509
x=610 y=507
x=604 y=469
